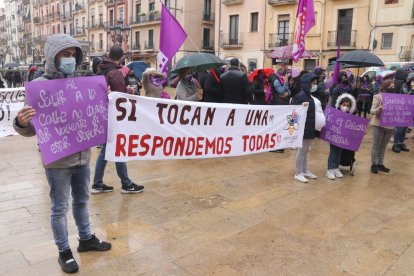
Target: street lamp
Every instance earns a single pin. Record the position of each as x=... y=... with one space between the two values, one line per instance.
x=118 y=32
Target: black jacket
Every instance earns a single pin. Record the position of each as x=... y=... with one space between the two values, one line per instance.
x=258 y=90
x=305 y=96
x=400 y=78
x=235 y=87
x=211 y=89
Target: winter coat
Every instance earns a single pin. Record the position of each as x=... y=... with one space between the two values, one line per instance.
x=375 y=111
x=55 y=44
x=211 y=88
x=113 y=75
x=400 y=79
x=279 y=89
x=187 y=91
x=305 y=96
x=338 y=91
x=321 y=94
x=235 y=87
x=348 y=96
x=258 y=90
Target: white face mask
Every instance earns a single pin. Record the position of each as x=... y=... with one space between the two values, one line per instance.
x=67 y=65
x=314 y=88
x=344 y=108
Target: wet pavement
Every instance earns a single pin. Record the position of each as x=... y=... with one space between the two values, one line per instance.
x=230 y=216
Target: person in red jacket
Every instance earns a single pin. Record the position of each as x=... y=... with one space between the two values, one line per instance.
x=115 y=80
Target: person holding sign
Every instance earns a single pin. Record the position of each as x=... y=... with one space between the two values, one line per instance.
x=110 y=68
x=309 y=84
x=63 y=53
x=381 y=134
x=346 y=103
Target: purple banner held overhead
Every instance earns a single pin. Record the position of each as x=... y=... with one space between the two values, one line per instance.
x=71 y=115
x=343 y=129
x=397 y=110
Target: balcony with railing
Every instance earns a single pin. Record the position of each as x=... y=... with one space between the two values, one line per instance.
x=151 y=18
x=97 y=46
x=66 y=16
x=27 y=35
x=149 y=45
x=232 y=40
x=97 y=25
x=232 y=2
x=20 y=28
x=79 y=8
x=208 y=17
x=36 y=20
x=79 y=31
x=406 y=53
x=280 y=40
x=109 y=3
x=26 y=2
x=26 y=18
x=276 y=3
x=207 y=45
x=136 y=46
x=345 y=39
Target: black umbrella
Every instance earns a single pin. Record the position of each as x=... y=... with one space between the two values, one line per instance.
x=198 y=62
x=342 y=66
x=361 y=59
x=11 y=65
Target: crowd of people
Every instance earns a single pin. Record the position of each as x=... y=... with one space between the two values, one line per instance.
x=228 y=84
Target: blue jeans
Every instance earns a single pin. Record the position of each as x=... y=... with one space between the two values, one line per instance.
x=399 y=135
x=334 y=157
x=121 y=170
x=61 y=181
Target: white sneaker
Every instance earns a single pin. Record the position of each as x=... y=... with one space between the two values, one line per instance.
x=309 y=175
x=301 y=178
x=338 y=173
x=330 y=174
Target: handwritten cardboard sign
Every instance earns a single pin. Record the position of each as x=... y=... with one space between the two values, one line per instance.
x=397 y=110
x=71 y=115
x=11 y=101
x=343 y=129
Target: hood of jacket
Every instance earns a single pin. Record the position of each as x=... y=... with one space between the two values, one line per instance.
x=56 y=43
x=347 y=96
x=306 y=82
x=108 y=64
x=401 y=74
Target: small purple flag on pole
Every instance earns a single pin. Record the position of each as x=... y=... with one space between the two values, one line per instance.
x=334 y=79
x=172 y=36
x=305 y=20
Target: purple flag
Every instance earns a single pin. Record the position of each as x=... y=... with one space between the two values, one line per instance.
x=343 y=130
x=398 y=110
x=305 y=20
x=334 y=78
x=172 y=36
x=71 y=115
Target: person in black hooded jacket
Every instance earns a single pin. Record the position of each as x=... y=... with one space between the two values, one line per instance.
x=235 y=86
x=309 y=84
x=211 y=87
x=400 y=79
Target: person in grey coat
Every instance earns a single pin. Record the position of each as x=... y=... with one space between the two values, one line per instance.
x=63 y=53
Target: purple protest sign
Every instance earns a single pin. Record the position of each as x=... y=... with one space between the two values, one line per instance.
x=343 y=129
x=71 y=115
x=397 y=110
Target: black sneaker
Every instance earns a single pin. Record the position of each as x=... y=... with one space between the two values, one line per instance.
x=403 y=147
x=133 y=189
x=93 y=244
x=396 y=149
x=67 y=262
x=101 y=189
x=374 y=169
x=382 y=168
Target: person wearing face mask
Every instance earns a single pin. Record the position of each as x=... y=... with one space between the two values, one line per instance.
x=69 y=175
x=381 y=134
x=110 y=69
x=346 y=103
x=342 y=87
x=308 y=83
x=152 y=82
x=188 y=88
x=364 y=96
